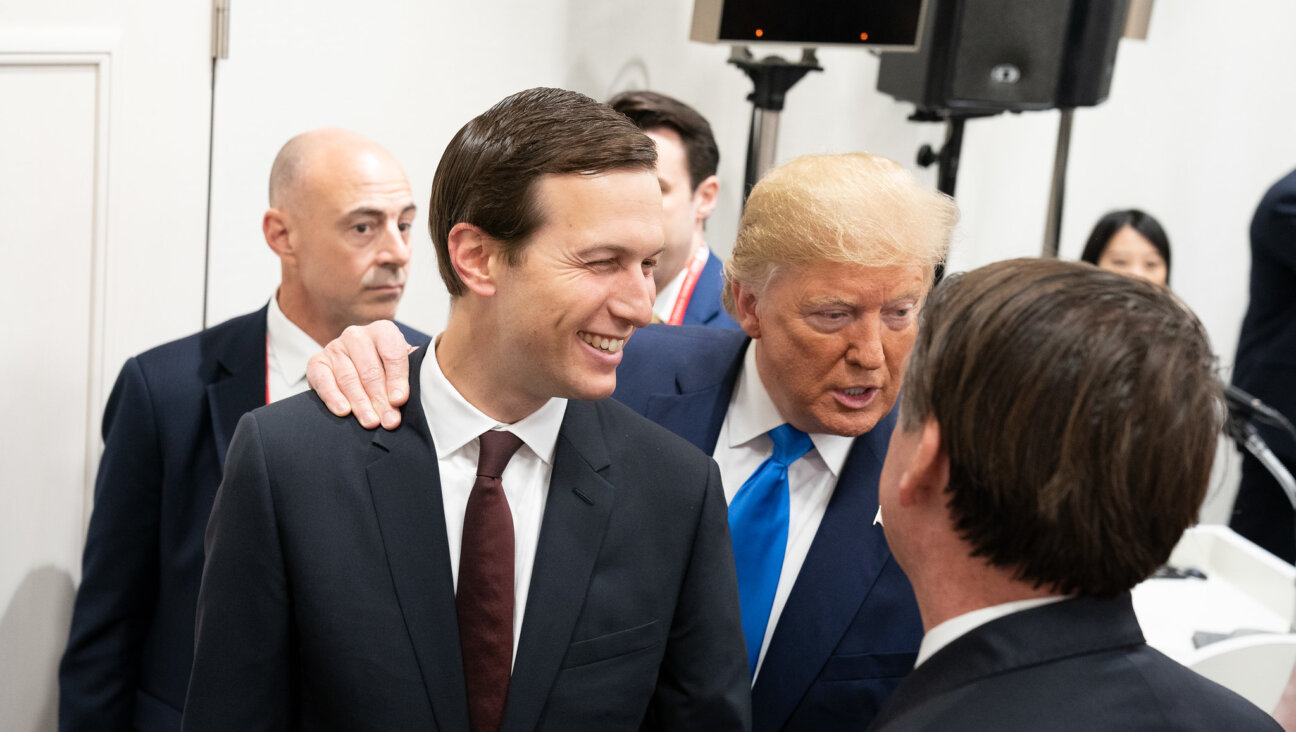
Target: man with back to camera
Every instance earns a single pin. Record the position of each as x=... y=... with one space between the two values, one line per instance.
x=834 y=256
x=690 y=279
x=513 y=557
x=1044 y=465
x=339 y=218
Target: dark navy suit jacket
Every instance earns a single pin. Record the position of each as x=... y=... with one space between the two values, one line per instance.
x=705 y=306
x=166 y=427
x=1266 y=367
x=850 y=630
x=328 y=603
x=1073 y=666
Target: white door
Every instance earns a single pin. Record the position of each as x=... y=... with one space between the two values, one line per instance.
x=103 y=181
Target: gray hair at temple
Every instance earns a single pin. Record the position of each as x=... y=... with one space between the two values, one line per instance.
x=853 y=208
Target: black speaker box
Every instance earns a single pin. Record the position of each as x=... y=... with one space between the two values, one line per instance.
x=989 y=56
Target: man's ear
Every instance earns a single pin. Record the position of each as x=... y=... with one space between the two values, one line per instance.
x=745 y=300
x=471 y=250
x=275 y=228
x=705 y=197
x=927 y=475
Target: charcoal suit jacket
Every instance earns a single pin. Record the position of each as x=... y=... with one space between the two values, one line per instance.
x=327 y=600
x=1072 y=666
x=166 y=428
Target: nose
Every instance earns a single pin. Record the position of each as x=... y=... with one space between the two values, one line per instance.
x=864 y=347
x=632 y=297
x=394 y=249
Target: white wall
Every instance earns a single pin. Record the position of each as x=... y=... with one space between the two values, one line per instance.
x=103 y=158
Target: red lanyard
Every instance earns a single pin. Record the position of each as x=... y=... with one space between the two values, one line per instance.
x=686 y=287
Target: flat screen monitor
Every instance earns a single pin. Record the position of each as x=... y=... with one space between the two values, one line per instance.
x=888 y=24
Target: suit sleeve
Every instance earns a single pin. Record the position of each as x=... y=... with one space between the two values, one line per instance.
x=114 y=605
x=704 y=682
x=241 y=678
x=1274 y=227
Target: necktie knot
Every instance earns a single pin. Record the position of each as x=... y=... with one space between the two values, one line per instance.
x=790 y=444
x=497 y=448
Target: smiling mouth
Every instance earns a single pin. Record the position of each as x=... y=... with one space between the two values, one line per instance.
x=603 y=343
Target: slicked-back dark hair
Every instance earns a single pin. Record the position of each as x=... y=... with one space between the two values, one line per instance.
x=1080 y=411
x=648 y=110
x=1113 y=221
x=488 y=173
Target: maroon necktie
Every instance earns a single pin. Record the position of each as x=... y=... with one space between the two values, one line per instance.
x=484 y=600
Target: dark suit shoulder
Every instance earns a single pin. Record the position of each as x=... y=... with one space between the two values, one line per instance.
x=1188 y=700
x=633 y=433
x=195 y=356
x=204 y=340
x=684 y=344
x=304 y=419
x=656 y=356
x=413 y=336
x=649 y=459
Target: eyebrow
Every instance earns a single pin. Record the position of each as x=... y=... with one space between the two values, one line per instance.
x=615 y=249
x=377 y=213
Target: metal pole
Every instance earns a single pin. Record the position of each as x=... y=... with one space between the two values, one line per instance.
x=761 y=145
x=1057 y=193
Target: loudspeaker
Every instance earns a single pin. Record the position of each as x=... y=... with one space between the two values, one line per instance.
x=990 y=56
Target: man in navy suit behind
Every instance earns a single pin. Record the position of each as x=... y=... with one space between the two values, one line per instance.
x=339 y=220
x=689 y=276
x=1043 y=465
x=834 y=257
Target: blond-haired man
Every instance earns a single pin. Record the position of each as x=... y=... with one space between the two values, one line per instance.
x=834 y=257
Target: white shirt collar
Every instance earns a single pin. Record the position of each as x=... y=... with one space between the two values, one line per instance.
x=960 y=625
x=290 y=346
x=752 y=413
x=454 y=422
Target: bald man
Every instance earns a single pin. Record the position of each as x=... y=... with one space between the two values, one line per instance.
x=339 y=221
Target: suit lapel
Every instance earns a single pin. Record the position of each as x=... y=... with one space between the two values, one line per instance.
x=571 y=533
x=234 y=368
x=824 y=600
x=696 y=410
x=406 y=489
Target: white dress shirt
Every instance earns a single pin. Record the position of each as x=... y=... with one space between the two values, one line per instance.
x=667 y=295
x=455 y=425
x=288 y=348
x=741 y=448
x=960 y=625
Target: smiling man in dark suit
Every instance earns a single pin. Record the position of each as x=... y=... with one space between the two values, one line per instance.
x=522 y=553
x=834 y=257
x=339 y=220
x=1056 y=434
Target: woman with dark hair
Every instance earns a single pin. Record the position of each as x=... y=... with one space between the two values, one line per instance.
x=1130 y=242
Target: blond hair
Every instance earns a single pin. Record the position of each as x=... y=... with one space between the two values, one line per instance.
x=853 y=208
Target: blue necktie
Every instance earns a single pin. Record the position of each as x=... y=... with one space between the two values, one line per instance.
x=758 y=522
